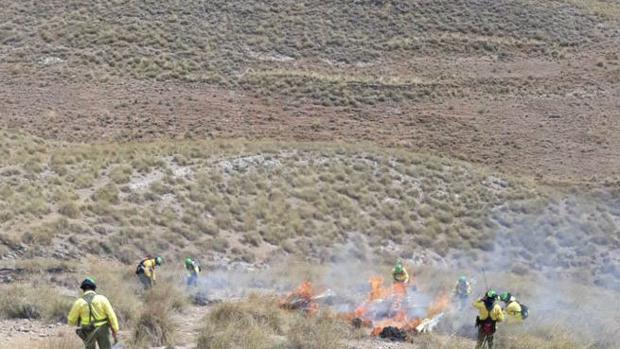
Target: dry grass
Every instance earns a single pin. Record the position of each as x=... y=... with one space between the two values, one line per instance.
x=25 y=301
x=606 y=9
x=154 y=325
x=256 y=50
x=259 y=323
x=66 y=341
x=249 y=200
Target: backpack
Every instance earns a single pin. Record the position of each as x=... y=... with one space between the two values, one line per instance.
x=140 y=267
x=524 y=311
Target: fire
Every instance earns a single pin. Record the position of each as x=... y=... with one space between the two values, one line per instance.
x=440 y=304
x=385 y=307
x=302 y=298
x=395 y=305
x=305 y=290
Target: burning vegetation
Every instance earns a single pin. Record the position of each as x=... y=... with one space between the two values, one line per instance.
x=303 y=298
x=396 y=312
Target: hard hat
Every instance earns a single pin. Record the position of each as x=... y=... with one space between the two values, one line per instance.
x=398 y=268
x=88 y=283
x=505 y=296
x=188 y=262
x=463 y=279
x=159 y=260
x=491 y=294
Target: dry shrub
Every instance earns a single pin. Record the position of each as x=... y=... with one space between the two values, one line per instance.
x=317 y=333
x=259 y=323
x=64 y=341
x=117 y=283
x=155 y=325
x=432 y=341
x=29 y=302
x=254 y=323
x=531 y=342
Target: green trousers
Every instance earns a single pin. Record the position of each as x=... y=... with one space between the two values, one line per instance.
x=101 y=337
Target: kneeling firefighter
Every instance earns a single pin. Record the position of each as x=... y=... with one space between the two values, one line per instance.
x=95 y=316
x=490 y=313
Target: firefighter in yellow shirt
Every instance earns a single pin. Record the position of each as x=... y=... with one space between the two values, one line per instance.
x=146 y=271
x=402 y=277
x=514 y=311
x=95 y=316
x=490 y=313
x=399 y=273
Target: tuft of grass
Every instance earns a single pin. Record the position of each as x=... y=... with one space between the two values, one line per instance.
x=33 y=302
x=154 y=325
x=318 y=332
x=249 y=324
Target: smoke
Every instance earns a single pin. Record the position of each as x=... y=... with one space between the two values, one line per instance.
x=561 y=259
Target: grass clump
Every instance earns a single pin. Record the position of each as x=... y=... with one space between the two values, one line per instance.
x=259 y=323
x=154 y=325
x=249 y=324
x=22 y=301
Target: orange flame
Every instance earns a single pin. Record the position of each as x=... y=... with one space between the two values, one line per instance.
x=305 y=290
x=305 y=299
x=440 y=304
x=302 y=298
x=397 y=296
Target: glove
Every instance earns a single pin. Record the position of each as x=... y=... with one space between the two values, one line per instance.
x=115 y=336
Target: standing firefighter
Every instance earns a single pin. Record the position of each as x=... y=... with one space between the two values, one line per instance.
x=514 y=311
x=490 y=313
x=399 y=273
x=193 y=268
x=462 y=291
x=146 y=270
x=402 y=278
x=95 y=316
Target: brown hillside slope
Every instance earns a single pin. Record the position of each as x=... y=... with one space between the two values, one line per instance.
x=518 y=85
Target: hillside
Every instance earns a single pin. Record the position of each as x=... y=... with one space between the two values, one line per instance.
x=247 y=201
x=516 y=85
x=297 y=149
x=69 y=209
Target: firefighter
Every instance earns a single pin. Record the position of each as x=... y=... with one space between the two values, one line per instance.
x=399 y=273
x=95 y=316
x=193 y=268
x=462 y=291
x=490 y=313
x=514 y=311
x=146 y=270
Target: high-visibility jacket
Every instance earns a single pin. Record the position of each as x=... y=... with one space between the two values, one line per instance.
x=102 y=312
x=401 y=277
x=495 y=313
x=513 y=311
x=193 y=269
x=149 y=268
x=462 y=289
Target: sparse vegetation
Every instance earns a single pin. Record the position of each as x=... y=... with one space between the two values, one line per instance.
x=389 y=197
x=223 y=92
